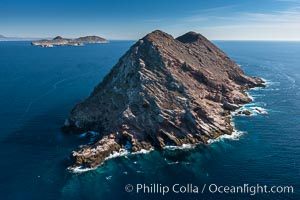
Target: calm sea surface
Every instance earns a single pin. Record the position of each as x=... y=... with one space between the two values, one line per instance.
x=39 y=87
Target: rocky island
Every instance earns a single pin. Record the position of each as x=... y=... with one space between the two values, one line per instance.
x=60 y=41
x=2 y=37
x=163 y=91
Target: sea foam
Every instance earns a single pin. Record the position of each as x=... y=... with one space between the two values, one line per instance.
x=79 y=169
x=122 y=152
x=184 y=146
x=234 y=136
x=253 y=108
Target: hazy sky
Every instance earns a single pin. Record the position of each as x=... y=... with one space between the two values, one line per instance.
x=131 y=19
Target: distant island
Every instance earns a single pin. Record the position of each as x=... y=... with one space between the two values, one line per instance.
x=60 y=41
x=4 y=38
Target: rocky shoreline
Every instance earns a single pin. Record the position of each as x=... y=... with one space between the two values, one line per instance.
x=163 y=91
x=60 y=41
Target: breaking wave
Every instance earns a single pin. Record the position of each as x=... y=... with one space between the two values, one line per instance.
x=122 y=152
x=79 y=169
x=184 y=146
x=234 y=136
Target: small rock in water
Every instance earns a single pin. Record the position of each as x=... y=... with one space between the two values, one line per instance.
x=246 y=112
x=258 y=110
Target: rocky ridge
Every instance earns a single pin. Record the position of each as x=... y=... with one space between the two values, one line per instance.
x=163 y=91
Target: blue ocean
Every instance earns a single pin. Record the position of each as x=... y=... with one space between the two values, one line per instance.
x=39 y=87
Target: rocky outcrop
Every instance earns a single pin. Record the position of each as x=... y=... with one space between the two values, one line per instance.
x=163 y=91
x=244 y=112
x=60 y=41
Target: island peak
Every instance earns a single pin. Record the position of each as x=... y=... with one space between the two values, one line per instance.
x=158 y=36
x=58 y=38
x=190 y=37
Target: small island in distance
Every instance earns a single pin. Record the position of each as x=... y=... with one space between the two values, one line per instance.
x=10 y=38
x=60 y=41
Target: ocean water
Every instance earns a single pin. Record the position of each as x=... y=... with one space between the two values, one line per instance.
x=39 y=86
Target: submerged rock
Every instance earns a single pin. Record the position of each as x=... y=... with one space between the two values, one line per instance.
x=163 y=91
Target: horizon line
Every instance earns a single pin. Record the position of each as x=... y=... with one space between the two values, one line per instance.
x=24 y=39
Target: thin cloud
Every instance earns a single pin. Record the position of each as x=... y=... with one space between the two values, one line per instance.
x=280 y=17
x=208 y=13
x=288 y=0
x=215 y=9
x=291 y=15
x=155 y=20
x=279 y=25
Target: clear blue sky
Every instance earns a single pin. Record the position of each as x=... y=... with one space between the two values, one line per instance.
x=131 y=19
